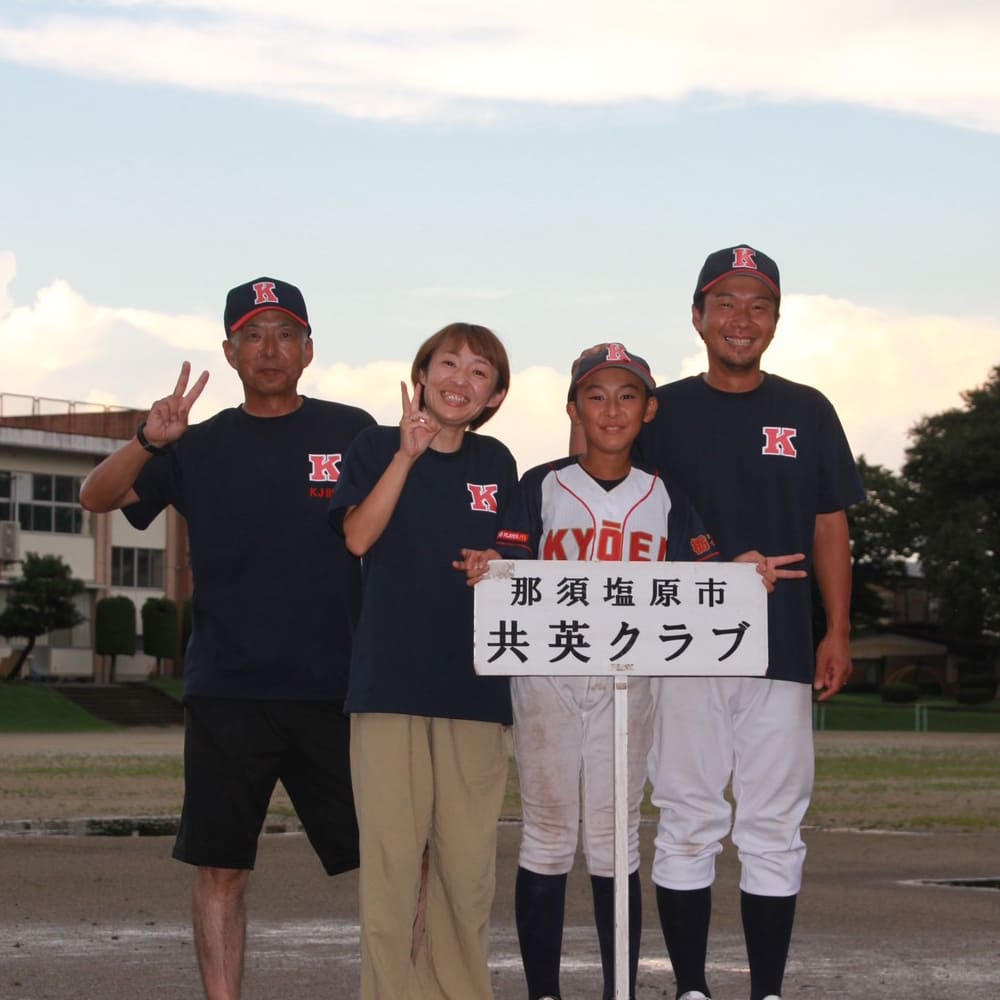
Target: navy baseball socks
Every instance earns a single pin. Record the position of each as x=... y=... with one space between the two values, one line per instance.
x=684 y=919
x=767 y=929
x=539 y=911
x=603 y=889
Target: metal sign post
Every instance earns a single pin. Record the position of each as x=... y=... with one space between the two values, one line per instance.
x=562 y=618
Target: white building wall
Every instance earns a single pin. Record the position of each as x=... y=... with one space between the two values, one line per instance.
x=69 y=653
x=77 y=550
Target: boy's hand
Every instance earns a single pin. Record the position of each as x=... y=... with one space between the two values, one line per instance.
x=474 y=563
x=770 y=567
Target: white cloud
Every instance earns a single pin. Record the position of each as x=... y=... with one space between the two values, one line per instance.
x=373 y=387
x=60 y=346
x=187 y=333
x=882 y=371
x=59 y=328
x=432 y=59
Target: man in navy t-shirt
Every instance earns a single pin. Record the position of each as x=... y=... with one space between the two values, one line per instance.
x=276 y=599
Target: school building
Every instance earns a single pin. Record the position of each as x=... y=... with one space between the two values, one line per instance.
x=47 y=447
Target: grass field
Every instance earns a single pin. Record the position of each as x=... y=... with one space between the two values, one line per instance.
x=879 y=774
x=888 y=781
x=169 y=685
x=868 y=713
x=36 y=708
x=904 y=781
x=913 y=781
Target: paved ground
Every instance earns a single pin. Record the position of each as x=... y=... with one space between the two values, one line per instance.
x=90 y=917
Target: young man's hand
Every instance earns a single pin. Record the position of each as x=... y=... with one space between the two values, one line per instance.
x=770 y=567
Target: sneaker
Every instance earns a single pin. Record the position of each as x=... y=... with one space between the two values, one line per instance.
x=693 y=995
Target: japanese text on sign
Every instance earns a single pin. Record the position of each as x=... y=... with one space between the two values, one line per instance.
x=672 y=618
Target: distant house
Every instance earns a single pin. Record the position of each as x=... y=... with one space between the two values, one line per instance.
x=882 y=656
x=47 y=447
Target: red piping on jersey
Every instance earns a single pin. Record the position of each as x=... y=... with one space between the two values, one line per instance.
x=583 y=503
x=593 y=520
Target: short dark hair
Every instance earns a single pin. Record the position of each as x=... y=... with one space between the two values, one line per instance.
x=479 y=339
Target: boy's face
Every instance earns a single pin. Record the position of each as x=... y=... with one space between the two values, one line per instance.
x=458 y=385
x=611 y=406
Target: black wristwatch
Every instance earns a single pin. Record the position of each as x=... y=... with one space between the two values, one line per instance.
x=140 y=436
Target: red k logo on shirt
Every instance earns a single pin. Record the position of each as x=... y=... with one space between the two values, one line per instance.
x=264 y=293
x=324 y=468
x=484 y=496
x=779 y=441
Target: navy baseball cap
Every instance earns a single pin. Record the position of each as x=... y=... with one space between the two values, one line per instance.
x=610 y=356
x=741 y=259
x=245 y=301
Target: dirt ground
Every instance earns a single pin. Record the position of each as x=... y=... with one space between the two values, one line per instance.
x=87 y=917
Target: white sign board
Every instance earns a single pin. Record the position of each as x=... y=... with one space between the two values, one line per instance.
x=567 y=618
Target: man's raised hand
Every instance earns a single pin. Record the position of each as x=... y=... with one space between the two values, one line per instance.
x=168 y=417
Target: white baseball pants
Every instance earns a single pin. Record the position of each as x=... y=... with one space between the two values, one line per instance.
x=759 y=732
x=564 y=744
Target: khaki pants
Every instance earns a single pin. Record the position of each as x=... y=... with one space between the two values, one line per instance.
x=437 y=782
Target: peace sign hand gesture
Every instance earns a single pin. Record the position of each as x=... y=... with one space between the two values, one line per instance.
x=417 y=428
x=168 y=417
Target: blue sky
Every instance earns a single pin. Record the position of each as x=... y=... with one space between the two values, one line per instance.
x=555 y=171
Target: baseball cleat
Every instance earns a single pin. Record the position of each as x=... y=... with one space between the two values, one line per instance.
x=694 y=995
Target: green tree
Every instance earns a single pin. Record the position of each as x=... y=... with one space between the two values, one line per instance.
x=880 y=541
x=954 y=467
x=38 y=601
x=114 y=629
x=159 y=629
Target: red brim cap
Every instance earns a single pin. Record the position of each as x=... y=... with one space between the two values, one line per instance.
x=246 y=301
x=741 y=259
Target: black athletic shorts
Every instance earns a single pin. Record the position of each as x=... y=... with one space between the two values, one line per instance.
x=235 y=750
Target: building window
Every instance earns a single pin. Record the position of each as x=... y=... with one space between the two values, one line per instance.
x=41 y=502
x=136 y=567
x=6 y=493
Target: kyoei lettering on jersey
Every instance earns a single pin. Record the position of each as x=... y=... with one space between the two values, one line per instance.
x=606 y=541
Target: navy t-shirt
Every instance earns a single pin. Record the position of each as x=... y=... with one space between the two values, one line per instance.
x=276 y=593
x=759 y=466
x=413 y=653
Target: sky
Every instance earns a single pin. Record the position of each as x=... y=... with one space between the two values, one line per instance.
x=557 y=171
